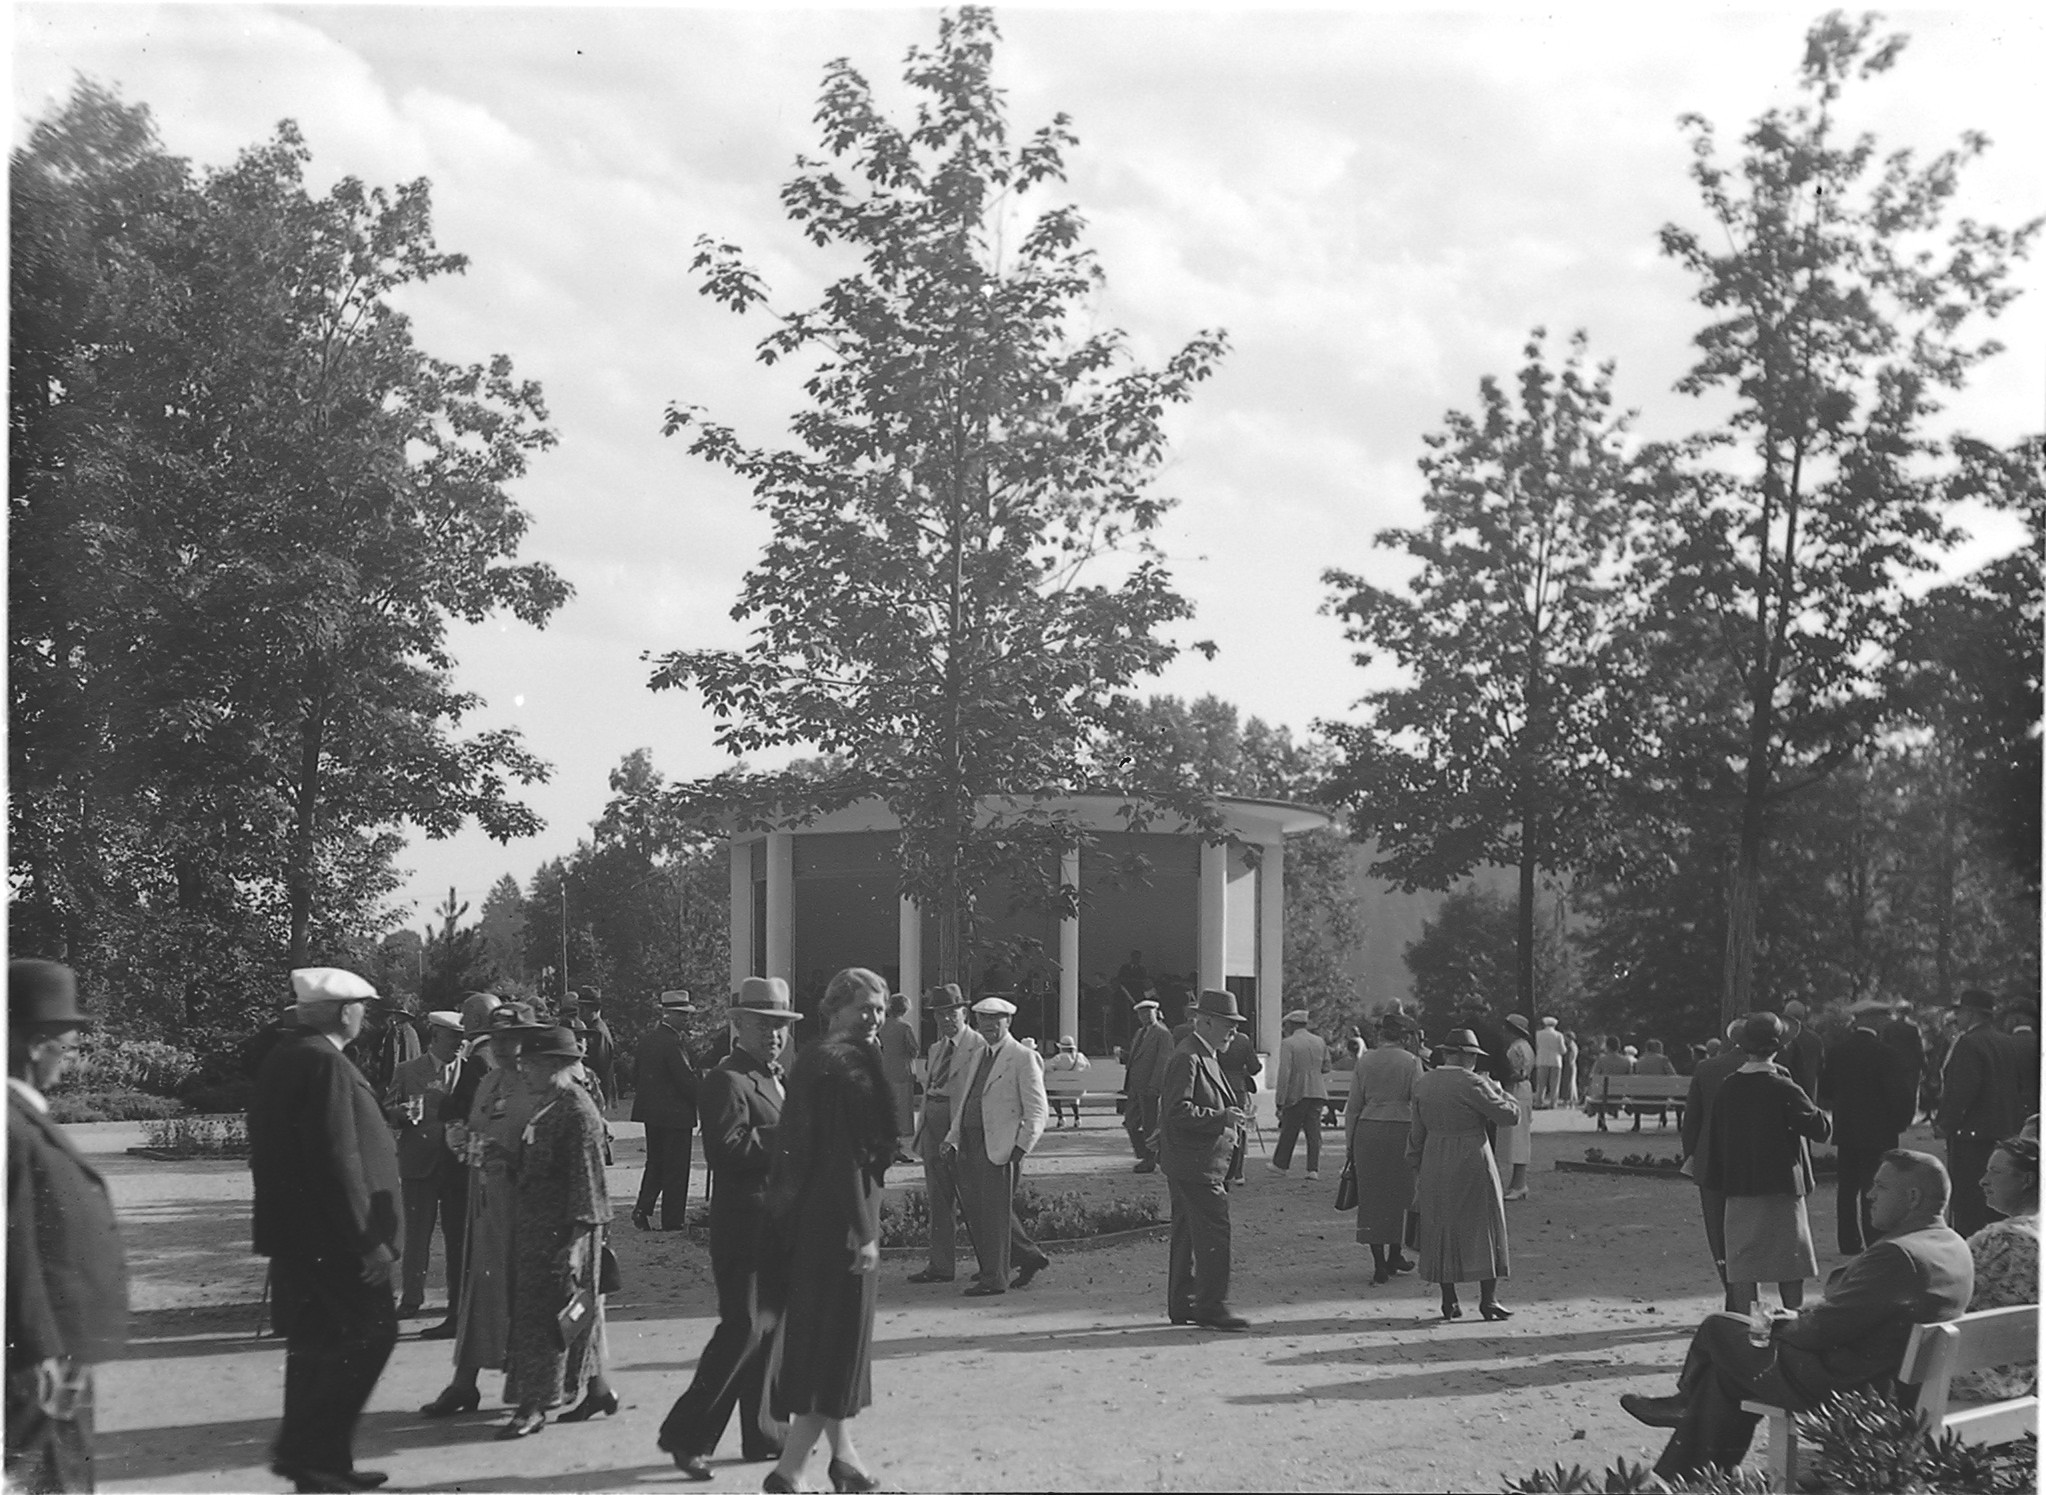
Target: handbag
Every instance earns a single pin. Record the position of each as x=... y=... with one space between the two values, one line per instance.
x=608 y=1278
x=1410 y=1230
x=1346 y=1186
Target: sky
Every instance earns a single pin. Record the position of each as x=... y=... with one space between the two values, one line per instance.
x=1376 y=204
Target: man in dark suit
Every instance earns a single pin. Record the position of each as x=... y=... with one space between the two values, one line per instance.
x=1900 y=1035
x=946 y=1067
x=1978 y=1103
x=67 y=1282
x=665 y=1101
x=740 y=1103
x=1919 y=1273
x=1150 y=1050
x=327 y=1216
x=436 y=1183
x=1803 y=1052
x=1872 y=1097
x=1199 y=1124
x=600 y=1049
x=1696 y=1133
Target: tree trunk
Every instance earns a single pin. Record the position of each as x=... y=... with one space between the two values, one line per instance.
x=304 y=834
x=1737 y=991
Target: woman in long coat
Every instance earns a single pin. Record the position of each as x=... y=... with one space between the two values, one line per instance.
x=559 y=1212
x=1376 y=1119
x=497 y=1121
x=820 y=1248
x=1761 y=1121
x=1462 y=1231
x=1519 y=1143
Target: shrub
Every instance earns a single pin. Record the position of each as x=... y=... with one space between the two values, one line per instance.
x=229 y=1097
x=1859 y=1441
x=106 y=1062
x=1047 y=1217
x=197 y=1136
x=75 y=1107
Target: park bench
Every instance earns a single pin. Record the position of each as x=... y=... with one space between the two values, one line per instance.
x=1605 y=1094
x=1933 y=1356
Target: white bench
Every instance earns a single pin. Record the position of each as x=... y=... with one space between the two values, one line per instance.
x=1933 y=1356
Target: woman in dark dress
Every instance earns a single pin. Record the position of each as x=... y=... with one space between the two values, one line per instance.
x=1762 y=1123
x=820 y=1249
x=560 y=1208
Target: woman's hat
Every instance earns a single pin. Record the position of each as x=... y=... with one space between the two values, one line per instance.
x=766 y=996
x=555 y=1043
x=476 y=1010
x=1516 y=1021
x=1462 y=1041
x=1067 y=1043
x=512 y=1017
x=1140 y=1006
x=43 y=993
x=1762 y=1033
x=1218 y=1004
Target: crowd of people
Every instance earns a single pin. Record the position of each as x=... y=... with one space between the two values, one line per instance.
x=493 y=1135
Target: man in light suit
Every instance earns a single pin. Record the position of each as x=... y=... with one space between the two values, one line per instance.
x=327 y=1201
x=948 y=1067
x=436 y=1182
x=67 y=1281
x=740 y=1104
x=996 y=1122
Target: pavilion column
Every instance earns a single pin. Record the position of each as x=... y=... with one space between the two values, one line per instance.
x=1214 y=916
x=1069 y=951
x=1271 y=944
x=909 y=958
x=781 y=890
x=742 y=911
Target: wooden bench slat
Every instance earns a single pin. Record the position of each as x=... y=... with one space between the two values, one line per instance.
x=1998 y=1422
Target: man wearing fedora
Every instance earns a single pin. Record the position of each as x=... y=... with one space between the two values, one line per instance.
x=1143 y=1080
x=327 y=1214
x=740 y=1104
x=1872 y=1096
x=1302 y=1093
x=946 y=1070
x=1200 y=1122
x=67 y=1282
x=436 y=1185
x=1978 y=1103
x=600 y=1049
x=997 y=1121
x=665 y=1102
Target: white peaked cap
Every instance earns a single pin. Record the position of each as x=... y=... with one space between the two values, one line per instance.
x=314 y=984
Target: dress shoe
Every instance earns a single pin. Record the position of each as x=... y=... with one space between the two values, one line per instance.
x=1453 y=1311
x=590 y=1406
x=1494 y=1312
x=1656 y=1411
x=927 y=1275
x=775 y=1484
x=766 y=1454
x=1314 y=1175
x=522 y=1425
x=369 y=1479
x=641 y=1220
x=694 y=1466
x=1027 y=1273
x=411 y=1309
x=1398 y=1264
x=445 y=1329
x=453 y=1402
x=325 y=1480
x=984 y=1290
x=1229 y=1323
x=1274 y=1167
x=1380 y=1277
x=1512 y=1194
x=1145 y=1167
x=845 y=1478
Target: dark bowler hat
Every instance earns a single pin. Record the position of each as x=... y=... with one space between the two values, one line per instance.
x=766 y=996
x=556 y=1043
x=1761 y=1033
x=938 y=998
x=1219 y=1004
x=1462 y=1041
x=1976 y=1001
x=41 y=993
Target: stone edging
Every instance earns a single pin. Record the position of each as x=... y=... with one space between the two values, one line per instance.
x=170 y=1155
x=1635 y=1170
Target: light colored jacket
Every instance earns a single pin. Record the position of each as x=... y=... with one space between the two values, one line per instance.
x=1303 y=1060
x=935 y=1124
x=1013 y=1105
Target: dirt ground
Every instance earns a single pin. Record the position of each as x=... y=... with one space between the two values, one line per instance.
x=1076 y=1383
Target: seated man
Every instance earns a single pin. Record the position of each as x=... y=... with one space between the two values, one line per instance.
x=1918 y=1273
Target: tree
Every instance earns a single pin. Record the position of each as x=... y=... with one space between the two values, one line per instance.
x=501 y=927
x=1497 y=749
x=961 y=581
x=1842 y=304
x=455 y=959
x=244 y=508
x=1471 y=948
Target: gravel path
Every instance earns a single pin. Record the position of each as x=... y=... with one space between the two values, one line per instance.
x=1075 y=1383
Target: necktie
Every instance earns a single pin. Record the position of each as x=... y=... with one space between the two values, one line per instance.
x=941 y=1066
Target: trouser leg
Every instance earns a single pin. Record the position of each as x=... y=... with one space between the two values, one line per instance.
x=1133 y=1125
x=650 y=1176
x=1310 y=1122
x=1721 y=1370
x=1966 y=1158
x=697 y=1420
x=1208 y=1220
x=988 y=1192
x=454 y=1225
x=421 y=1198
x=338 y=1331
x=1179 y=1267
x=942 y=1192
x=46 y=1453
x=1850 y=1182
x=1289 y=1133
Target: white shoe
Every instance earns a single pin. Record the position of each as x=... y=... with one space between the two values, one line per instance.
x=1515 y=1194
x=1274 y=1167
x=1313 y=1176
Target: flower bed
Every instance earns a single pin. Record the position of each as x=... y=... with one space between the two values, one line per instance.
x=181 y=1137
